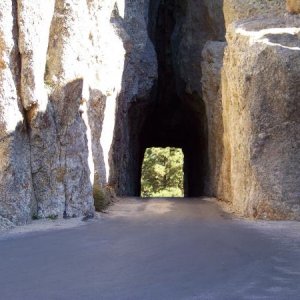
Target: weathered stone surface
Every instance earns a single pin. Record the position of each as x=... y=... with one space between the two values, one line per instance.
x=108 y=42
x=16 y=197
x=138 y=78
x=235 y=10
x=174 y=113
x=58 y=135
x=199 y=22
x=260 y=84
x=212 y=64
x=5 y=224
x=73 y=56
x=34 y=20
x=70 y=152
x=293 y=6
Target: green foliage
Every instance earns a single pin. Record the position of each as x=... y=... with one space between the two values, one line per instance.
x=162 y=173
x=103 y=197
x=99 y=198
x=35 y=216
x=52 y=217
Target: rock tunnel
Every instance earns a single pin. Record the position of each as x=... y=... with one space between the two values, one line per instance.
x=174 y=113
x=175 y=119
x=83 y=98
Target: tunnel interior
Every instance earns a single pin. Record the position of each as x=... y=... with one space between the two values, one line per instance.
x=174 y=114
x=174 y=118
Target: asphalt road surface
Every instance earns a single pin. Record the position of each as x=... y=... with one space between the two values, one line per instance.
x=152 y=249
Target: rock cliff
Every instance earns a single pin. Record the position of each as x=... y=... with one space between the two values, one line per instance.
x=87 y=86
x=260 y=95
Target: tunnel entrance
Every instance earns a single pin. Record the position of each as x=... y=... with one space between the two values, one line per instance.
x=175 y=118
x=162 y=173
x=173 y=114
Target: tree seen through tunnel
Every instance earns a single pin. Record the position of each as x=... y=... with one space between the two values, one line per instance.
x=162 y=173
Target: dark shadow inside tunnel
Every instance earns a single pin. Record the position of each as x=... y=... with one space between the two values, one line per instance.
x=174 y=118
x=173 y=115
x=181 y=127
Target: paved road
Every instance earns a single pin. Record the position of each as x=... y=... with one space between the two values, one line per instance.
x=155 y=249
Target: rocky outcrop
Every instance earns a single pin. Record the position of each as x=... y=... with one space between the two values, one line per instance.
x=62 y=68
x=107 y=40
x=87 y=86
x=235 y=10
x=260 y=84
x=254 y=152
x=16 y=193
x=62 y=80
x=139 y=76
x=212 y=63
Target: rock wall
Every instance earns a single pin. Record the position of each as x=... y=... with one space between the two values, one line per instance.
x=63 y=66
x=139 y=76
x=212 y=63
x=256 y=167
x=17 y=198
x=260 y=83
x=175 y=114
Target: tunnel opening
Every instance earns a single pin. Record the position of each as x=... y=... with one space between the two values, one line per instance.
x=189 y=133
x=176 y=118
x=162 y=172
x=173 y=114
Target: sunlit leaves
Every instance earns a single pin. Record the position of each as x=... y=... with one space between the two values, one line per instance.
x=162 y=174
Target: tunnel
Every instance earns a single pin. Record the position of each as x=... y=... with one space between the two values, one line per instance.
x=176 y=119
x=174 y=116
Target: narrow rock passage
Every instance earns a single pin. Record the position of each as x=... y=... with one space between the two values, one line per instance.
x=155 y=249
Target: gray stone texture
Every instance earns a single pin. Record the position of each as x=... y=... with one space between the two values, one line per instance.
x=16 y=193
x=79 y=80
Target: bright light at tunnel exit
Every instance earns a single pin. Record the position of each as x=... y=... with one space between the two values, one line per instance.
x=162 y=173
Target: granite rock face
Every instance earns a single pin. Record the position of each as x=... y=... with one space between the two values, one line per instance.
x=16 y=192
x=93 y=68
x=212 y=63
x=67 y=68
x=254 y=150
x=260 y=84
x=138 y=78
x=235 y=10
x=87 y=86
x=293 y=6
